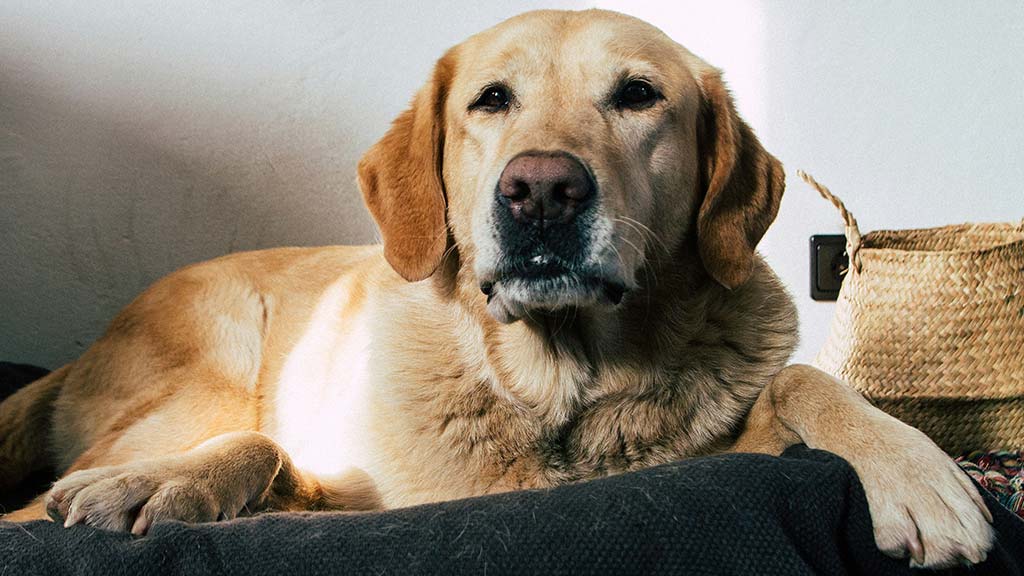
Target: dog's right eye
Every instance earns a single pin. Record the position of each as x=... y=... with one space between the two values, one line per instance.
x=494 y=98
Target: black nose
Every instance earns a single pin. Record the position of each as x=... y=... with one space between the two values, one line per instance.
x=545 y=187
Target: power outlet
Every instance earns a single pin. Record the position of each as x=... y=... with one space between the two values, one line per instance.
x=829 y=263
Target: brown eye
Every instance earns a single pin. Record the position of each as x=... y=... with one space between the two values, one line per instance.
x=636 y=95
x=494 y=98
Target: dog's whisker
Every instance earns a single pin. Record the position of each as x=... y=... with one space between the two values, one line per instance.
x=646 y=228
x=618 y=254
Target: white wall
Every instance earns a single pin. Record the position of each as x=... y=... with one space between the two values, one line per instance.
x=139 y=136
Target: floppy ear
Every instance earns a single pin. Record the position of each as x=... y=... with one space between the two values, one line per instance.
x=743 y=187
x=400 y=177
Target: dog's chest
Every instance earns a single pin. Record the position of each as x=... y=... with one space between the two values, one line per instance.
x=653 y=423
x=481 y=441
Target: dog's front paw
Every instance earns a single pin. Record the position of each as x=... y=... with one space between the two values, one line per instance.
x=922 y=505
x=133 y=498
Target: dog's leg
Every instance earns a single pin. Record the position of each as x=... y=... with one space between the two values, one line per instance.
x=937 y=517
x=231 y=474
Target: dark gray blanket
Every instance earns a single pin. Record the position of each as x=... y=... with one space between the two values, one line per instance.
x=803 y=513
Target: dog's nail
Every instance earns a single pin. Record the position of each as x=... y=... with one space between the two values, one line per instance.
x=74 y=516
x=971 y=558
x=487 y=288
x=141 y=525
x=916 y=551
x=979 y=501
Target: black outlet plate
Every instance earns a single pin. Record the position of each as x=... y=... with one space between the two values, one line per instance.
x=828 y=265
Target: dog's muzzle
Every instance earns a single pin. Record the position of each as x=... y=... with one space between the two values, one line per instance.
x=544 y=215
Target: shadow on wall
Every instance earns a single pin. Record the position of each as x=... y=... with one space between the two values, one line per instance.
x=97 y=205
x=104 y=205
x=122 y=159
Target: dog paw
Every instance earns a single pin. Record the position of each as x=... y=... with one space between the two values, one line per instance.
x=133 y=498
x=932 y=513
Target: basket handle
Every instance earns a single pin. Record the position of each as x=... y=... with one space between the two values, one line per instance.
x=853 y=240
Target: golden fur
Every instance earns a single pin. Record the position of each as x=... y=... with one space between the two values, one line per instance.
x=356 y=378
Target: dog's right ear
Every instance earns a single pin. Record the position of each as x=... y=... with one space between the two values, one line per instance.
x=402 y=183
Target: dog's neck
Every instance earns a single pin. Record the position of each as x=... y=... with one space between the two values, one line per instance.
x=556 y=364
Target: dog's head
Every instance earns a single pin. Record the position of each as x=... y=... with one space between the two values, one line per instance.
x=558 y=151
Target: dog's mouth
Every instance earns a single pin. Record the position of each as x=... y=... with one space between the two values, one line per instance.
x=544 y=284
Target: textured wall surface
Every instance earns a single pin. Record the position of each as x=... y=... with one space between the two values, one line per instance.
x=136 y=137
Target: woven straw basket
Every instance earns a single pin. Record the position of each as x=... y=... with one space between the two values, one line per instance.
x=929 y=326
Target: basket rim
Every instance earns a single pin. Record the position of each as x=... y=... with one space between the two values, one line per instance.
x=950 y=396
x=890 y=253
x=1008 y=244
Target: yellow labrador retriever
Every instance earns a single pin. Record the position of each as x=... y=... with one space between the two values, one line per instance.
x=568 y=288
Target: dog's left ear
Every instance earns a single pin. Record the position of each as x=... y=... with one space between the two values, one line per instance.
x=743 y=186
x=402 y=182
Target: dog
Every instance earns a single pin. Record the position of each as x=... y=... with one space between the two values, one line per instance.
x=568 y=288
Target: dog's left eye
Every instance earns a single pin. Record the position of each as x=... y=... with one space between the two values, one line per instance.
x=636 y=95
x=494 y=98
